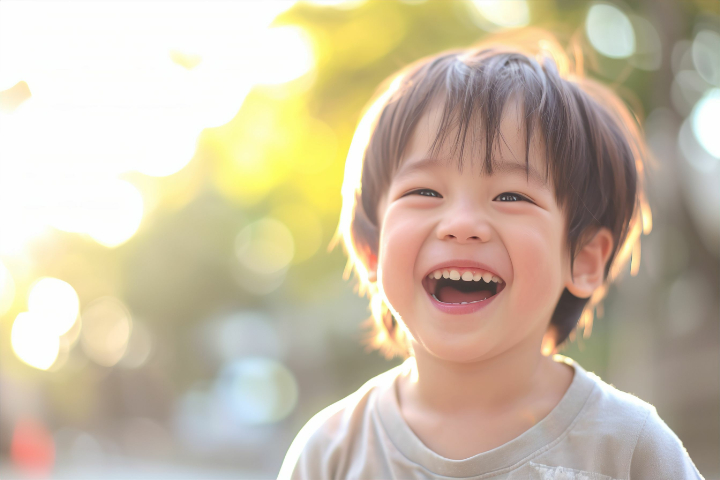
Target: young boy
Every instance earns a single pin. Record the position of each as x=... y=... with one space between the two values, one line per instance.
x=489 y=198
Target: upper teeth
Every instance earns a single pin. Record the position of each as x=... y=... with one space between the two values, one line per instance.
x=468 y=275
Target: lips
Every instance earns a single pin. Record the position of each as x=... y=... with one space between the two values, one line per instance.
x=462 y=282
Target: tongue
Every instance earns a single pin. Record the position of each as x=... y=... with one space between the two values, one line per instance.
x=453 y=295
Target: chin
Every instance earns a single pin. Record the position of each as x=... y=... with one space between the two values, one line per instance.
x=454 y=348
x=456 y=355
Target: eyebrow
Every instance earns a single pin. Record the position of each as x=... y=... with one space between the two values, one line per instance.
x=504 y=167
x=410 y=167
x=529 y=171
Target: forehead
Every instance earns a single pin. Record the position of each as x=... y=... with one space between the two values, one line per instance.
x=508 y=154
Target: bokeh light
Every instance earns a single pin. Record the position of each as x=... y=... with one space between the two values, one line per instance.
x=108 y=211
x=56 y=303
x=648 y=46
x=107 y=325
x=285 y=54
x=71 y=337
x=610 y=31
x=692 y=151
x=257 y=390
x=687 y=88
x=62 y=358
x=265 y=246
x=139 y=348
x=503 y=13
x=32 y=448
x=194 y=419
x=706 y=120
x=241 y=334
x=256 y=283
x=705 y=48
x=141 y=107
x=263 y=250
x=305 y=227
x=32 y=342
x=699 y=180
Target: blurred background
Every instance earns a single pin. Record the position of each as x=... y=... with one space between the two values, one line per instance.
x=170 y=179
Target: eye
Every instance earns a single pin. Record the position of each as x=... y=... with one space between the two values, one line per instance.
x=511 y=197
x=426 y=192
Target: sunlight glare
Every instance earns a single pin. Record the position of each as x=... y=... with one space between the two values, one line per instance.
x=339 y=4
x=286 y=53
x=55 y=302
x=32 y=342
x=109 y=211
x=7 y=289
x=105 y=102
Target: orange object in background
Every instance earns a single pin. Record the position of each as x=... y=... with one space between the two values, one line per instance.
x=32 y=449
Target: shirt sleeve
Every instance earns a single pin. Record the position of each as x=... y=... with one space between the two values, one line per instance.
x=659 y=453
x=303 y=460
x=317 y=450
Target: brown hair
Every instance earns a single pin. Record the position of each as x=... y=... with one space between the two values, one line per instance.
x=593 y=150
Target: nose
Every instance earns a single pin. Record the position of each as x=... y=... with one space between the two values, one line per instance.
x=466 y=225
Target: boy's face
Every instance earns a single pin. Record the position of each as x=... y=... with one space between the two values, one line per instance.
x=435 y=216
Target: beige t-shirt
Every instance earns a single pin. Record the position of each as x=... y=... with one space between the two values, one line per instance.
x=596 y=432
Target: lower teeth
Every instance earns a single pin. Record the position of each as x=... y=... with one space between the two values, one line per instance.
x=461 y=303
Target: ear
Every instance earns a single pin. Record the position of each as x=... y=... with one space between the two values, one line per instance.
x=589 y=265
x=372 y=267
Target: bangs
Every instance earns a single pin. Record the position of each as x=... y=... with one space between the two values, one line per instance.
x=585 y=147
x=475 y=93
x=472 y=117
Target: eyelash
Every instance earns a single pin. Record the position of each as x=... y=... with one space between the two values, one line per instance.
x=517 y=196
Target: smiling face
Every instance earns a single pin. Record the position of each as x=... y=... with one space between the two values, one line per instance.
x=434 y=217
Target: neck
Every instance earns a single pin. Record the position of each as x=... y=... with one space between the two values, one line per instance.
x=490 y=385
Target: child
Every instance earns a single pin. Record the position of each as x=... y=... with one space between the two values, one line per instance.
x=490 y=196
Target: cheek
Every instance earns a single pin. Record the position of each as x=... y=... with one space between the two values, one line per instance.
x=400 y=240
x=535 y=255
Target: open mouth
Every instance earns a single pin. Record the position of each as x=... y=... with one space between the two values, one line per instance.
x=463 y=290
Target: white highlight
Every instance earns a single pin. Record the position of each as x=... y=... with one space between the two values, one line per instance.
x=705 y=119
x=32 y=343
x=55 y=303
x=118 y=87
x=610 y=31
x=507 y=14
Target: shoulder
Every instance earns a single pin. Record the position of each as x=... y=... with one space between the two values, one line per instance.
x=660 y=451
x=323 y=444
x=633 y=425
x=616 y=408
x=603 y=411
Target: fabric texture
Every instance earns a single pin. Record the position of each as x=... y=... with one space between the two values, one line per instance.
x=595 y=432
